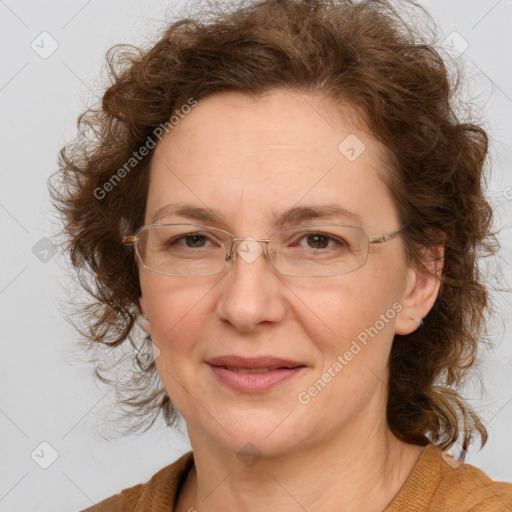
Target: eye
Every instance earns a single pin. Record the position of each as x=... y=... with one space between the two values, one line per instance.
x=321 y=240
x=317 y=240
x=191 y=240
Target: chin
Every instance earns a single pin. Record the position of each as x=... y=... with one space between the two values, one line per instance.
x=259 y=445
x=255 y=433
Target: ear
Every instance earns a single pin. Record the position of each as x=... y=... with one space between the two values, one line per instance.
x=142 y=317
x=421 y=291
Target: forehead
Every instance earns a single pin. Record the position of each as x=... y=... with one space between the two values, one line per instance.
x=229 y=123
x=251 y=157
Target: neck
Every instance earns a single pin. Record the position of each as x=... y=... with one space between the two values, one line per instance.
x=361 y=469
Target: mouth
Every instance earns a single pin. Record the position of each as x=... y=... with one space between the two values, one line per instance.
x=255 y=374
x=252 y=370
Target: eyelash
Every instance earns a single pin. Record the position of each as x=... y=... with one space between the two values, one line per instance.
x=302 y=237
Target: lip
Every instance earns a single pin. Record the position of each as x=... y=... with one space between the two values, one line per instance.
x=249 y=363
x=280 y=371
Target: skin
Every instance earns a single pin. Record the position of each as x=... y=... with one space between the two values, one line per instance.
x=247 y=158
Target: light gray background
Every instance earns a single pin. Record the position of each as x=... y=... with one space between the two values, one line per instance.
x=48 y=397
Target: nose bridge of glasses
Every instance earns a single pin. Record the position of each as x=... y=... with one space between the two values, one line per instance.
x=248 y=248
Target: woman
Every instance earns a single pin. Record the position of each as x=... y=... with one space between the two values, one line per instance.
x=283 y=199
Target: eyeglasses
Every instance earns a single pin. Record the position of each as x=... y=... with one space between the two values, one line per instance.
x=313 y=250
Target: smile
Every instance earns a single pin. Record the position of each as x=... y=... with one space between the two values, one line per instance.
x=256 y=374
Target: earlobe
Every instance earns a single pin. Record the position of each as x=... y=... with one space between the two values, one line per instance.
x=142 y=317
x=421 y=291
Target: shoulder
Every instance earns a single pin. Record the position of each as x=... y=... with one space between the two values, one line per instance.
x=440 y=483
x=472 y=489
x=125 y=500
x=158 y=493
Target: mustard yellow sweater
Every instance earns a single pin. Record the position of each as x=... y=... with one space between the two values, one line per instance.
x=433 y=486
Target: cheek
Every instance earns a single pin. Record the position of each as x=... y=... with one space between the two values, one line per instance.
x=355 y=318
x=176 y=309
x=177 y=315
x=347 y=304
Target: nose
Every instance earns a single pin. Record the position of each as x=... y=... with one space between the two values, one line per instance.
x=252 y=292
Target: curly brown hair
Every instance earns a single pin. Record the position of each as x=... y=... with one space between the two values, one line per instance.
x=360 y=52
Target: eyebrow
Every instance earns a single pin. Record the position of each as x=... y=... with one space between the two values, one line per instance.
x=294 y=215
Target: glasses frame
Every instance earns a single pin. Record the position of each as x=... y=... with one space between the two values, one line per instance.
x=131 y=240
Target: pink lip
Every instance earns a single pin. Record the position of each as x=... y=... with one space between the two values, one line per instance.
x=280 y=371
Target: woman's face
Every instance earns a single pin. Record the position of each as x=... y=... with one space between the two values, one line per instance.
x=250 y=160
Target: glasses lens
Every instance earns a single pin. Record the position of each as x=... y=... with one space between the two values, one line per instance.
x=195 y=250
x=182 y=249
x=319 y=250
